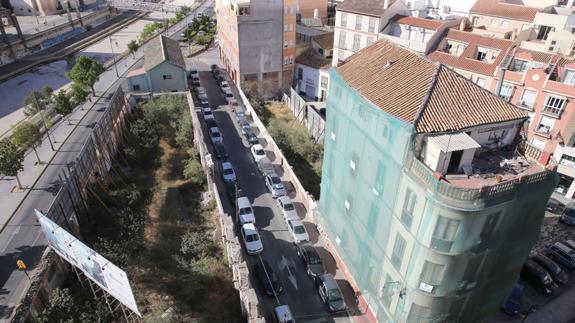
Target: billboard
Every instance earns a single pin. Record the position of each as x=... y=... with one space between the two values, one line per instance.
x=101 y=271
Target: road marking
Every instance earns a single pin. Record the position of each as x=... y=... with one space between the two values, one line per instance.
x=285 y=264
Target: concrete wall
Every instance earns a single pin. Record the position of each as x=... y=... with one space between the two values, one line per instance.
x=138 y=81
x=167 y=77
x=307 y=7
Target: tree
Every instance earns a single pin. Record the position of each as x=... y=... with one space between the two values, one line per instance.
x=62 y=104
x=133 y=47
x=11 y=159
x=33 y=103
x=27 y=135
x=47 y=92
x=61 y=308
x=79 y=93
x=86 y=72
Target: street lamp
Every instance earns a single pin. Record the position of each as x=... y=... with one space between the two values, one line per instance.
x=114 y=57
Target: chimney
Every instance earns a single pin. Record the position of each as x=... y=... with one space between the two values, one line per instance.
x=462 y=24
x=385 y=4
x=316 y=13
x=502 y=70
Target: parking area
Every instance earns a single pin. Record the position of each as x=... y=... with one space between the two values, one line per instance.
x=299 y=290
x=535 y=305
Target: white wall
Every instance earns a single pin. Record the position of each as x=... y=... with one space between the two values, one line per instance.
x=310 y=77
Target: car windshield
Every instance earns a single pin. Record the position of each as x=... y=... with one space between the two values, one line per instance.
x=252 y=237
x=288 y=207
x=260 y=152
x=245 y=210
x=208 y=112
x=241 y=114
x=279 y=186
x=313 y=258
x=333 y=295
x=228 y=171
x=299 y=229
x=215 y=134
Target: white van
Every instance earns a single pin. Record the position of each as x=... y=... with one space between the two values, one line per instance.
x=244 y=211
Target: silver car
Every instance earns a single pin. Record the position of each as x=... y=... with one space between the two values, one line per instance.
x=275 y=185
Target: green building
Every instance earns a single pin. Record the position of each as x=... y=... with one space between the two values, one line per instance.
x=429 y=195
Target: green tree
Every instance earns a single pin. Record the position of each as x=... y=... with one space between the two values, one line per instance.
x=86 y=72
x=194 y=172
x=47 y=92
x=27 y=135
x=33 y=103
x=133 y=47
x=79 y=93
x=62 y=104
x=11 y=159
x=61 y=308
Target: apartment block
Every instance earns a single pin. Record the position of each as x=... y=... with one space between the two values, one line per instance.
x=501 y=18
x=257 y=42
x=440 y=9
x=425 y=181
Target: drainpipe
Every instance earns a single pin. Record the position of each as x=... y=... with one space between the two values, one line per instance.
x=502 y=70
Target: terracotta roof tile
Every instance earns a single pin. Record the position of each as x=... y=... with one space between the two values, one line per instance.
x=498 y=8
x=466 y=61
x=324 y=40
x=540 y=57
x=407 y=85
x=366 y=7
x=418 y=22
x=312 y=59
x=161 y=49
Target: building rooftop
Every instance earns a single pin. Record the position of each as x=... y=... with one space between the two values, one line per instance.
x=161 y=49
x=418 y=22
x=500 y=8
x=325 y=40
x=365 y=7
x=312 y=59
x=414 y=89
x=467 y=60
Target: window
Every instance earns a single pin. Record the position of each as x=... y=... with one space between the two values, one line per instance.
x=286 y=61
x=291 y=59
x=567 y=160
x=341 y=43
x=396 y=31
x=379 y=179
x=299 y=73
x=538 y=143
x=341 y=56
x=569 y=77
x=352 y=164
x=444 y=233
x=323 y=81
x=480 y=55
x=358 y=20
x=545 y=125
x=356 y=42
x=418 y=314
x=286 y=43
x=495 y=23
x=371 y=26
x=343 y=21
x=490 y=224
x=554 y=105
x=368 y=41
x=519 y=65
x=167 y=77
x=413 y=34
x=398 y=251
x=506 y=91
x=408 y=207
x=286 y=28
x=504 y=24
x=347 y=204
x=472 y=268
x=480 y=81
x=387 y=291
x=136 y=87
x=528 y=98
x=431 y=275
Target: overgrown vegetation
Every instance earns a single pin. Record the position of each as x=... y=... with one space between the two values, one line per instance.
x=303 y=154
x=74 y=304
x=152 y=218
x=152 y=29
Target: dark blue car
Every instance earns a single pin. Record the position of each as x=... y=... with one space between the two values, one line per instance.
x=513 y=303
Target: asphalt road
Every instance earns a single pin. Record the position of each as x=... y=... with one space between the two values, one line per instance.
x=299 y=290
x=22 y=238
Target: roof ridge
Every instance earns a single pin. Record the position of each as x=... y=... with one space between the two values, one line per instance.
x=163 y=48
x=421 y=110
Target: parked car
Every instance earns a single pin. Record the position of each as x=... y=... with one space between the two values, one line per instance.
x=200 y=90
x=244 y=126
x=258 y=152
x=562 y=254
x=538 y=277
x=228 y=172
x=283 y=314
x=194 y=72
x=251 y=239
x=211 y=123
x=297 y=230
x=330 y=293
x=267 y=278
x=221 y=151
x=570 y=244
x=216 y=73
x=251 y=137
x=265 y=166
x=513 y=303
x=229 y=96
x=208 y=114
x=311 y=260
x=558 y=274
x=224 y=85
x=204 y=101
x=233 y=103
x=287 y=207
x=215 y=135
x=231 y=190
x=568 y=214
x=240 y=113
x=196 y=82
x=245 y=211
x=274 y=184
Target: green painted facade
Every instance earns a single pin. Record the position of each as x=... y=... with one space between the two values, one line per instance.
x=419 y=250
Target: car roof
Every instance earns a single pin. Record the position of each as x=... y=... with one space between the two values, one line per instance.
x=214 y=129
x=564 y=247
x=284 y=199
x=328 y=281
x=258 y=146
x=226 y=165
x=243 y=202
x=543 y=259
x=249 y=228
x=295 y=221
x=283 y=313
x=534 y=266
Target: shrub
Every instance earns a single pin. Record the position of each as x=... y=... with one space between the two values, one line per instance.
x=193 y=171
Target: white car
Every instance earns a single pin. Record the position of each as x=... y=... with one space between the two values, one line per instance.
x=229 y=96
x=200 y=90
x=287 y=208
x=228 y=172
x=252 y=239
x=297 y=230
x=245 y=211
x=225 y=86
x=208 y=114
x=215 y=135
x=258 y=152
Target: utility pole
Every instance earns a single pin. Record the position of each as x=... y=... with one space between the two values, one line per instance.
x=114 y=57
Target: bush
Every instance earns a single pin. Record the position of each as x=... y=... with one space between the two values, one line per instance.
x=194 y=172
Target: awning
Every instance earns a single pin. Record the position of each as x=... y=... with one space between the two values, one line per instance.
x=453 y=142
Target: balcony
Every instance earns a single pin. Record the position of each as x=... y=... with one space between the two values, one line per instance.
x=525 y=106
